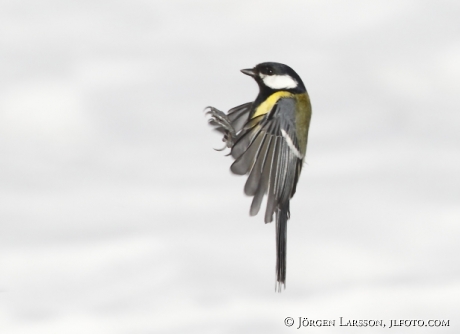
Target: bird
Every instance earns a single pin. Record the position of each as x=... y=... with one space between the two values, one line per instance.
x=268 y=140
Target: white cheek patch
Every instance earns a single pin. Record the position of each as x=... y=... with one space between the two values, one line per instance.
x=279 y=81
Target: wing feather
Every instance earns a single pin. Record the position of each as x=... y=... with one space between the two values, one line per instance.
x=238 y=116
x=264 y=178
x=271 y=193
x=244 y=162
x=267 y=149
x=245 y=138
x=255 y=174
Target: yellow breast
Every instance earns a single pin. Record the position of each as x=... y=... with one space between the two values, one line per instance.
x=268 y=104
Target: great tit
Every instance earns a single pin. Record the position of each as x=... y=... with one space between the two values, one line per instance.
x=268 y=140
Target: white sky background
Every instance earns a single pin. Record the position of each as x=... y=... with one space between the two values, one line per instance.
x=116 y=215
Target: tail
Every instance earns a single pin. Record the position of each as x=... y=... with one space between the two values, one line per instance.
x=282 y=216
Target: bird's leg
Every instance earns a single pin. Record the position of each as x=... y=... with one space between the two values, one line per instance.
x=223 y=124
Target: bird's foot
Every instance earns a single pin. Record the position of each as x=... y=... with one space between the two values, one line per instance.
x=221 y=122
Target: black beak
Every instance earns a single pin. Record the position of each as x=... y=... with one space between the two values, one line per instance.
x=250 y=72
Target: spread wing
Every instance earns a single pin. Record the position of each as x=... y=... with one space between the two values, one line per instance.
x=268 y=150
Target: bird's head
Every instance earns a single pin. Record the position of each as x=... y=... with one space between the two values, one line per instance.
x=275 y=77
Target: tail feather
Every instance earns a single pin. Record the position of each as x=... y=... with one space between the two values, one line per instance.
x=282 y=216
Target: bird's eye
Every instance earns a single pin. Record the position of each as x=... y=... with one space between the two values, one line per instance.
x=269 y=71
